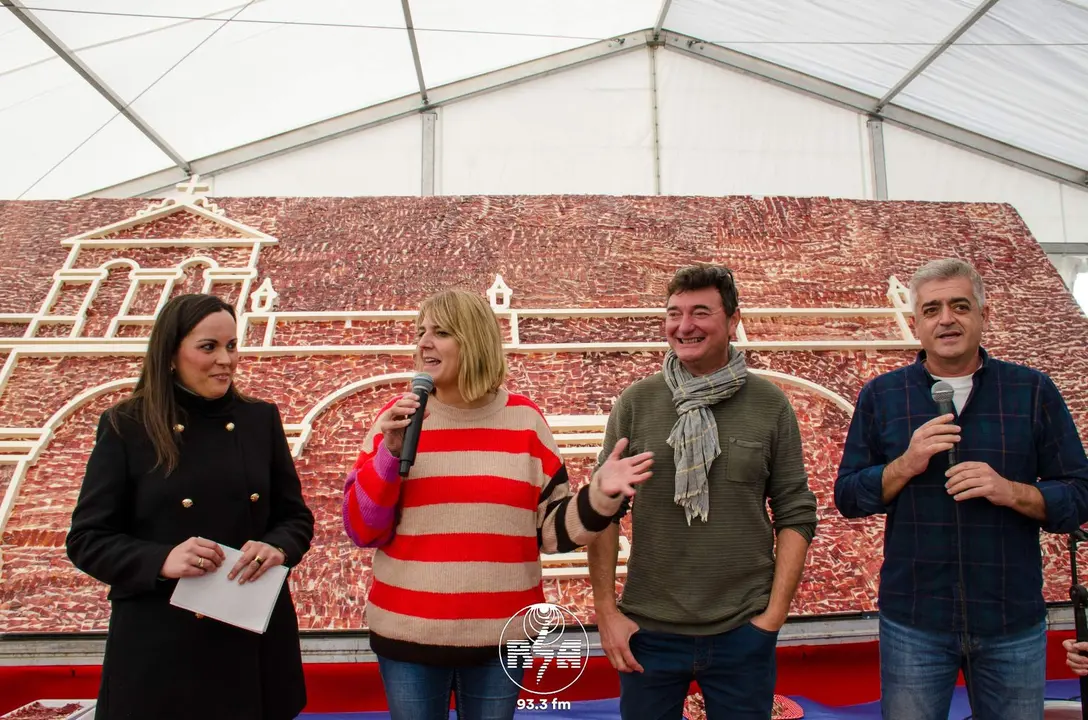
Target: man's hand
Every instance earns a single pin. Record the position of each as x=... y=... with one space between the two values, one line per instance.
x=769 y=622
x=937 y=435
x=978 y=480
x=616 y=630
x=1073 y=658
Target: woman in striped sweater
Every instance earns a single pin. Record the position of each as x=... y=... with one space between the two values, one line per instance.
x=459 y=539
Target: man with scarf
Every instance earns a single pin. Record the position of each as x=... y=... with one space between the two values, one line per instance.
x=711 y=576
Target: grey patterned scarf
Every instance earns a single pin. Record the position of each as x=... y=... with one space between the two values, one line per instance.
x=694 y=437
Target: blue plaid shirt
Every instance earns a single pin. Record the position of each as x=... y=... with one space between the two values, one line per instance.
x=1014 y=420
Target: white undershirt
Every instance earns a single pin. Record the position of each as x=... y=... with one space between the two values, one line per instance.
x=962 y=387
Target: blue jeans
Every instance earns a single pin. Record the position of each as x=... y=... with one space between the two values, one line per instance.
x=422 y=692
x=735 y=671
x=918 y=670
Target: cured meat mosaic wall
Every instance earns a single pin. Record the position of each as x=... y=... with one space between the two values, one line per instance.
x=554 y=252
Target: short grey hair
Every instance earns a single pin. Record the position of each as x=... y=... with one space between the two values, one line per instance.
x=946 y=269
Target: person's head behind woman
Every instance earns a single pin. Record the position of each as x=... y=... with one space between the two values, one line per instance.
x=193 y=345
x=460 y=344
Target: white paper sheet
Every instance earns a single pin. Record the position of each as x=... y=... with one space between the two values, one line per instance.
x=246 y=606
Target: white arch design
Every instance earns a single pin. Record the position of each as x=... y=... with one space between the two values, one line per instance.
x=110 y=264
x=815 y=388
x=51 y=424
x=559 y=423
x=201 y=259
x=307 y=424
x=133 y=265
x=197 y=260
x=74 y=404
x=136 y=275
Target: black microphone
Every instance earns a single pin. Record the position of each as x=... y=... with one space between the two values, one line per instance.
x=422 y=385
x=942 y=393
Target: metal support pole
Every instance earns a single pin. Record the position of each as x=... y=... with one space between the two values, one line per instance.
x=430 y=121
x=653 y=49
x=1079 y=595
x=411 y=28
x=877 y=159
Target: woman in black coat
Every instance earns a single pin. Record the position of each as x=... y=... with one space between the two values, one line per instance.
x=185 y=463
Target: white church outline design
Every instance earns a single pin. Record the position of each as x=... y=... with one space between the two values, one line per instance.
x=576 y=435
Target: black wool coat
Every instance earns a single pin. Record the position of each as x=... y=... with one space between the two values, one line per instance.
x=235 y=482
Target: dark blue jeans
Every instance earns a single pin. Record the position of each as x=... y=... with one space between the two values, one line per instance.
x=422 y=692
x=918 y=671
x=735 y=671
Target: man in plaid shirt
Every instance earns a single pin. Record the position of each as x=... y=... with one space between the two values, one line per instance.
x=961 y=583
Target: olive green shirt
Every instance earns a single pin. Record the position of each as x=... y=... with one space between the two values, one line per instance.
x=710 y=577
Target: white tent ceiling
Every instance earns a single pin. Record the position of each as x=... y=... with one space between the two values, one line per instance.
x=97 y=92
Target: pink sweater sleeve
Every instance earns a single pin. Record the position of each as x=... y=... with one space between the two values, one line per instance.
x=371 y=492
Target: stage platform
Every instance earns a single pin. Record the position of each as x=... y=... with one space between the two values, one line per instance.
x=828 y=661
x=1063 y=702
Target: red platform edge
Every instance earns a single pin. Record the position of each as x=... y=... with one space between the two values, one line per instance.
x=832 y=674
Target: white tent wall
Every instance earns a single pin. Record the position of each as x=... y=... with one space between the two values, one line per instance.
x=1070 y=267
x=383 y=160
x=1075 y=205
x=726 y=133
x=922 y=168
x=588 y=130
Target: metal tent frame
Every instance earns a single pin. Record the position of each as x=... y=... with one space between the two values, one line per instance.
x=430 y=98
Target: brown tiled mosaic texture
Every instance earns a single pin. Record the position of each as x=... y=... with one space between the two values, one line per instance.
x=554 y=252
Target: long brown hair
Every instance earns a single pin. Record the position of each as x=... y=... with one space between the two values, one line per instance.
x=152 y=402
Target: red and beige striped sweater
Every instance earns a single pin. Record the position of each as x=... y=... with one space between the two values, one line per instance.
x=459 y=540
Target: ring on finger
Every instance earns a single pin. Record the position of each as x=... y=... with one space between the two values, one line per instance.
x=258 y=560
x=200 y=563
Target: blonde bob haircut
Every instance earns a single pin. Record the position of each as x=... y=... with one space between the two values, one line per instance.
x=472 y=322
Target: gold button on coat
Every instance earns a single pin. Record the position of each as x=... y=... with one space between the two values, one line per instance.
x=230 y=427
x=186 y=503
x=254 y=497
